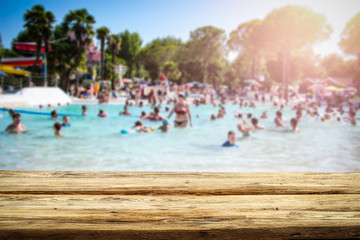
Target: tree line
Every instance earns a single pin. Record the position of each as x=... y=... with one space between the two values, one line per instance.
x=278 y=47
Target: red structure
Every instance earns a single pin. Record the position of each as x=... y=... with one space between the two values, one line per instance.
x=21 y=62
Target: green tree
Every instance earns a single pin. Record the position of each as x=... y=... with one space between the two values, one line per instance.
x=114 y=44
x=130 y=49
x=349 y=43
x=154 y=55
x=293 y=28
x=171 y=71
x=62 y=59
x=350 y=37
x=102 y=34
x=334 y=65
x=248 y=39
x=38 y=23
x=214 y=73
x=79 y=23
x=207 y=45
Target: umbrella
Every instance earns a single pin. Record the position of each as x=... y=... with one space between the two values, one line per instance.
x=316 y=87
x=333 y=89
x=252 y=82
x=349 y=89
x=3 y=74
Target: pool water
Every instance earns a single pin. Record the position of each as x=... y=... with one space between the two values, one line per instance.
x=93 y=143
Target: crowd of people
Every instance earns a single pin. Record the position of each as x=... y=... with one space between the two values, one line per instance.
x=247 y=123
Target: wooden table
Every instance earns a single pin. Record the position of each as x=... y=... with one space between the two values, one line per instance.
x=165 y=205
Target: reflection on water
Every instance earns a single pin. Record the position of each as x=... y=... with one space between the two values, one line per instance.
x=92 y=143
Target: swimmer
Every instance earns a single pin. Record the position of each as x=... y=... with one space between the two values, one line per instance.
x=298 y=115
x=167 y=109
x=140 y=128
x=141 y=104
x=57 y=127
x=16 y=126
x=293 y=123
x=54 y=114
x=155 y=115
x=264 y=115
x=125 y=112
x=221 y=113
x=183 y=113
x=212 y=117
x=255 y=122
x=11 y=112
x=230 y=140
x=84 y=110
x=351 y=118
x=165 y=127
x=102 y=114
x=143 y=115
x=66 y=121
x=249 y=116
x=244 y=128
x=279 y=120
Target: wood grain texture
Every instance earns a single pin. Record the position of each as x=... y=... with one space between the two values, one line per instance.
x=148 y=205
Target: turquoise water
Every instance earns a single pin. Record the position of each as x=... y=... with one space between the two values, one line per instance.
x=92 y=143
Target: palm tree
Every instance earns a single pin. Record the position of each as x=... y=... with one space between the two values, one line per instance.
x=39 y=24
x=79 y=23
x=114 y=43
x=102 y=34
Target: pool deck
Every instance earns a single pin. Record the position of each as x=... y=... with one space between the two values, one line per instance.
x=166 y=205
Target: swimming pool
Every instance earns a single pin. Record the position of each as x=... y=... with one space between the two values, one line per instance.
x=92 y=143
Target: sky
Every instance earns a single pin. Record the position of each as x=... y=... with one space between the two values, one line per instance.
x=177 y=18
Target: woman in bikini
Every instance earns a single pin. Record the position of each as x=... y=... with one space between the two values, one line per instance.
x=182 y=110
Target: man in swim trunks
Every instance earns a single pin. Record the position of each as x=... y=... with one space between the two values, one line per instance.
x=16 y=126
x=183 y=113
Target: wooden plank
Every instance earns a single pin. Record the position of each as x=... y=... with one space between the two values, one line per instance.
x=148 y=205
x=144 y=183
x=165 y=216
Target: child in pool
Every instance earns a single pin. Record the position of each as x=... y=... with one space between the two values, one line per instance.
x=165 y=127
x=66 y=121
x=84 y=110
x=279 y=120
x=57 y=127
x=231 y=140
x=54 y=114
x=140 y=128
x=102 y=114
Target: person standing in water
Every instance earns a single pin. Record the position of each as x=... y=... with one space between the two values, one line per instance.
x=57 y=127
x=84 y=110
x=231 y=140
x=183 y=113
x=16 y=126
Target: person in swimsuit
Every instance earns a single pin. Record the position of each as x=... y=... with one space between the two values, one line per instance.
x=293 y=123
x=155 y=116
x=183 y=113
x=125 y=112
x=255 y=123
x=84 y=110
x=16 y=126
x=140 y=128
x=165 y=127
x=57 y=127
x=279 y=120
x=102 y=114
x=54 y=114
x=231 y=140
x=244 y=128
x=66 y=121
